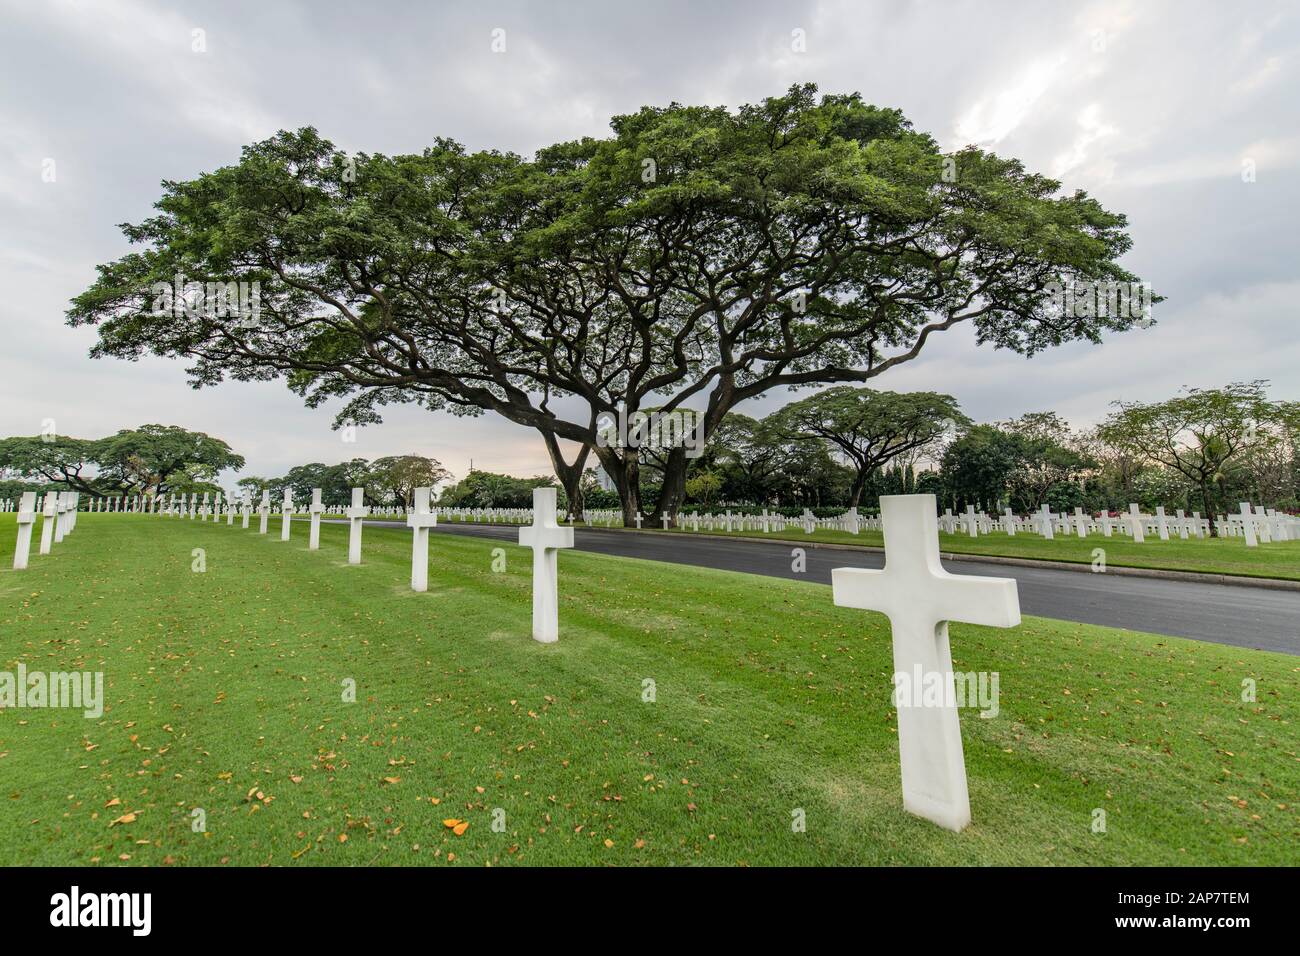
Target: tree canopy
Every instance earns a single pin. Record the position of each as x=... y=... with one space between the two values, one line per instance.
x=152 y=458
x=1201 y=433
x=871 y=428
x=698 y=255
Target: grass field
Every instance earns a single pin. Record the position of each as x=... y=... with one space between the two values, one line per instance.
x=1279 y=559
x=224 y=692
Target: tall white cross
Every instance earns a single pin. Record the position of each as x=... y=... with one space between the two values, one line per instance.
x=1161 y=524
x=1247 y=526
x=420 y=521
x=1135 y=523
x=544 y=536
x=48 y=513
x=247 y=508
x=356 y=517
x=1045 y=523
x=264 y=512
x=286 y=515
x=919 y=597
x=26 y=519
x=60 y=516
x=313 y=541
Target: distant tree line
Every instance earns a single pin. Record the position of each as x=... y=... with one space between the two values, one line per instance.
x=391 y=480
x=151 y=459
x=1203 y=450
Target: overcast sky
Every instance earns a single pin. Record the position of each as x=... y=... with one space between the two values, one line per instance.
x=1154 y=108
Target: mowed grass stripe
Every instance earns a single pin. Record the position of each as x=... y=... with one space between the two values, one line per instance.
x=228 y=683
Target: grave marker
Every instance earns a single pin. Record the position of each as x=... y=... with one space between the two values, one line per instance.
x=545 y=536
x=26 y=519
x=313 y=540
x=286 y=515
x=1247 y=525
x=919 y=597
x=356 y=516
x=48 y=511
x=420 y=520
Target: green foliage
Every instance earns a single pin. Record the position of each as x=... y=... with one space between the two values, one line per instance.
x=696 y=252
x=483 y=489
x=158 y=459
x=1202 y=433
x=870 y=428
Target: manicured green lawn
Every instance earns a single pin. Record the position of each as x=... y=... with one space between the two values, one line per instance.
x=1207 y=555
x=224 y=693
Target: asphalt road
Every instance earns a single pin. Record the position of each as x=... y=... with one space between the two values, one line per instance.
x=1221 y=613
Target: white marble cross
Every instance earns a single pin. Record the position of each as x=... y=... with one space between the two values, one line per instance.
x=544 y=536
x=1247 y=525
x=286 y=515
x=26 y=519
x=313 y=541
x=48 y=513
x=919 y=597
x=356 y=517
x=247 y=508
x=420 y=521
x=1135 y=522
x=60 y=516
x=1045 y=523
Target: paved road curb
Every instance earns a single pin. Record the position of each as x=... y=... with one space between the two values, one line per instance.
x=1190 y=577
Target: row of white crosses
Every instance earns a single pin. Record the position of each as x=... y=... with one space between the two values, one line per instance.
x=913 y=590
x=1259 y=526
x=58 y=520
x=917 y=595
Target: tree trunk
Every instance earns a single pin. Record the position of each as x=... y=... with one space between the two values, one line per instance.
x=626 y=475
x=673 y=490
x=855 y=489
x=570 y=475
x=1209 y=508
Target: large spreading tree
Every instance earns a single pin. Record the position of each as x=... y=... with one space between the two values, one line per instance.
x=1202 y=433
x=871 y=428
x=698 y=257
x=156 y=459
